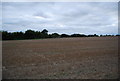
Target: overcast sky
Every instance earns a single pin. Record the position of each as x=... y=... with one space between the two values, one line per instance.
x=61 y=17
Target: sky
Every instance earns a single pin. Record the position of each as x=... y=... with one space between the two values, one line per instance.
x=61 y=17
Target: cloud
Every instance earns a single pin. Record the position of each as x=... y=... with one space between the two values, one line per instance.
x=61 y=17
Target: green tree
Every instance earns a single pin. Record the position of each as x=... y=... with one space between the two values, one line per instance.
x=65 y=35
x=18 y=35
x=44 y=34
x=29 y=34
x=55 y=35
x=6 y=35
x=44 y=31
x=37 y=34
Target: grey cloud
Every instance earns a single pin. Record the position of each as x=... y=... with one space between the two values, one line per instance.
x=68 y=17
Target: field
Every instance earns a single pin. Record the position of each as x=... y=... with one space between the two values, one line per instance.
x=61 y=58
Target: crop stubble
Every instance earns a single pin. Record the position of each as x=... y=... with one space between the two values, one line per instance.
x=61 y=58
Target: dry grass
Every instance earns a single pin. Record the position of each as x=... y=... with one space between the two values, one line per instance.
x=62 y=58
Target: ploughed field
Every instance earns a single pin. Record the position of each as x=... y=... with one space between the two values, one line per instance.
x=61 y=58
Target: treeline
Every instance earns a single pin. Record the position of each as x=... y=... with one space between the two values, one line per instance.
x=31 y=34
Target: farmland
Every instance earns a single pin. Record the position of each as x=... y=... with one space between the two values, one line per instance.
x=61 y=58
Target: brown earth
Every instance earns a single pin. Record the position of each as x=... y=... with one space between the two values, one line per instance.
x=61 y=58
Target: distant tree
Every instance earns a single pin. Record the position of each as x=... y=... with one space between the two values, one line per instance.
x=49 y=35
x=82 y=35
x=117 y=35
x=95 y=35
x=101 y=35
x=45 y=31
x=29 y=34
x=65 y=35
x=6 y=35
x=21 y=35
x=0 y=35
x=78 y=35
x=55 y=35
x=17 y=35
x=75 y=35
x=38 y=34
x=44 y=34
x=90 y=35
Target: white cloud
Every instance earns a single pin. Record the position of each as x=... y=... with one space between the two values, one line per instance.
x=62 y=17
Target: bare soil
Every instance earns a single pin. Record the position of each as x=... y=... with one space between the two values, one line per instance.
x=61 y=58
